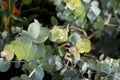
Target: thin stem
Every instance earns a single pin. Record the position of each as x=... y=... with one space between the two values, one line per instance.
x=21 y=4
x=90 y=56
x=63 y=45
x=82 y=61
x=93 y=34
x=106 y=23
x=108 y=19
x=78 y=29
x=17 y=35
x=9 y=2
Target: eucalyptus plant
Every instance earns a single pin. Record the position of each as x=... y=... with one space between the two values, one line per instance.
x=84 y=47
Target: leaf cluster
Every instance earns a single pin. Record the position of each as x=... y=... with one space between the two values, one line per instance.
x=85 y=46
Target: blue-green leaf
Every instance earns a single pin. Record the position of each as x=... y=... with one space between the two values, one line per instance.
x=34 y=29
x=43 y=35
x=25 y=40
x=39 y=73
x=74 y=37
x=103 y=70
x=4 y=65
x=33 y=52
x=41 y=51
x=117 y=76
x=71 y=73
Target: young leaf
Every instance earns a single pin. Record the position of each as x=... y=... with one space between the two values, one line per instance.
x=58 y=35
x=83 y=45
x=20 y=50
x=87 y=45
x=10 y=55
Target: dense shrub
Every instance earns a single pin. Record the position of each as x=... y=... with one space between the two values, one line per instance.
x=68 y=39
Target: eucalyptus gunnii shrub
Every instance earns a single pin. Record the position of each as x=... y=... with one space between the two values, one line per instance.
x=84 y=47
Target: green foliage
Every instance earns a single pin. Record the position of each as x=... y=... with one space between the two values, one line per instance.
x=19 y=49
x=4 y=65
x=58 y=35
x=86 y=42
x=83 y=45
x=54 y=21
x=15 y=78
x=71 y=11
x=26 y=2
x=43 y=35
x=34 y=29
x=39 y=73
x=103 y=70
x=74 y=37
x=24 y=77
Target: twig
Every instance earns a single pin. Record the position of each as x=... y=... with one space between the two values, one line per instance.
x=106 y=23
x=78 y=29
x=108 y=19
x=63 y=45
x=90 y=56
x=17 y=35
x=92 y=35
x=33 y=71
x=67 y=57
